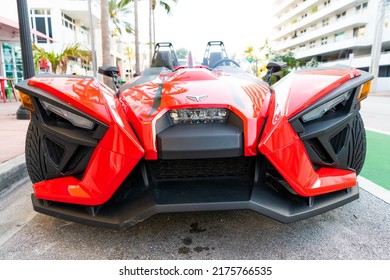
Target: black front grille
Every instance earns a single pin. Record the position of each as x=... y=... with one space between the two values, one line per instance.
x=319 y=149
x=55 y=151
x=162 y=170
x=338 y=141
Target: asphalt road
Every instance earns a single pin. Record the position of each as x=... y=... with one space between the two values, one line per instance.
x=359 y=230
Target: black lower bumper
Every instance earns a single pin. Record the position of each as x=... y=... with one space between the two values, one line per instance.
x=143 y=205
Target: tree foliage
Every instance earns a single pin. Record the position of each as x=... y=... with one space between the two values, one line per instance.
x=59 y=61
x=166 y=4
x=119 y=12
x=181 y=53
x=265 y=54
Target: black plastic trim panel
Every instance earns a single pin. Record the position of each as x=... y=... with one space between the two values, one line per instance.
x=200 y=141
x=143 y=206
x=326 y=138
x=67 y=149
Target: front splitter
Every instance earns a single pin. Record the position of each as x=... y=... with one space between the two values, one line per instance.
x=132 y=211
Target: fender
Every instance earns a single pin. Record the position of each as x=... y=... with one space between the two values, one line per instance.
x=281 y=144
x=117 y=152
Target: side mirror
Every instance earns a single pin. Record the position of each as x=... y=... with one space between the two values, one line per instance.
x=109 y=71
x=274 y=67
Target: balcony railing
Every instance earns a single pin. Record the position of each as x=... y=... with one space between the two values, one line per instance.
x=329 y=30
x=311 y=18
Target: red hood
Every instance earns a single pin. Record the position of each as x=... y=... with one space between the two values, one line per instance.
x=150 y=100
x=176 y=89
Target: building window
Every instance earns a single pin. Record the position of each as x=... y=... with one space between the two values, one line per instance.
x=384 y=71
x=326 y=3
x=340 y=15
x=303 y=31
x=359 y=31
x=325 y=22
x=68 y=22
x=41 y=21
x=304 y=16
x=312 y=44
x=339 y=36
x=302 y=47
x=12 y=61
x=324 y=41
x=362 y=8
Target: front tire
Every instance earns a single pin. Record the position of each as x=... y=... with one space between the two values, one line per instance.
x=35 y=161
x=357 y=145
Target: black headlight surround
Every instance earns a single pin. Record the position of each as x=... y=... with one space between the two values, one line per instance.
x=326 y=138
x=67 y=148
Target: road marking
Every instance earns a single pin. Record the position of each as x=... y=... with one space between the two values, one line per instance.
x=374 y=189
x=378 y=131
x=377 y=165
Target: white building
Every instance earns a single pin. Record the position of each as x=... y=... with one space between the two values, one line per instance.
x=333 y=32
x=66 y=22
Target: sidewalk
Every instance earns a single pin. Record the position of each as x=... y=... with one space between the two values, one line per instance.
x=12 y=135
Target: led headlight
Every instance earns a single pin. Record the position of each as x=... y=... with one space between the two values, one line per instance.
x=74 y=119
x=318 y=112
x=199 y=115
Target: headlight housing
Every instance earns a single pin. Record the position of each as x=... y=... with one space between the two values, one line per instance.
x=318 y=112
x=199 y=115
x=74 y=119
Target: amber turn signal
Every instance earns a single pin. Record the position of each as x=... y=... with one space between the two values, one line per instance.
x=26 y=101
x=364 y=90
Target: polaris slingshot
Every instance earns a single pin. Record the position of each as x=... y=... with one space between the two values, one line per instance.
x=194 y=138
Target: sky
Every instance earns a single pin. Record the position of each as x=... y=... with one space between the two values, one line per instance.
x=192 y=23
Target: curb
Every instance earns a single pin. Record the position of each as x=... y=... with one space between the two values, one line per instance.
x=12 y=171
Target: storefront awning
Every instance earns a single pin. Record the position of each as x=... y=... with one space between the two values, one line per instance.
x=12 y=27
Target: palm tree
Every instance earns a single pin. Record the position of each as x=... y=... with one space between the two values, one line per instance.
x=72 y=51
x=152 y=23
x=123 y=4
x=59 y=61
x=136 y=38
x=129 y=53
x=114 y=11
x=119 y=11
x=106 y=43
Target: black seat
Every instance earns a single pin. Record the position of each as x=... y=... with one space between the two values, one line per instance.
x=214 y=58
x=163 y=59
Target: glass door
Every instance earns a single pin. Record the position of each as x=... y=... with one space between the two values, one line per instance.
x=13 y=65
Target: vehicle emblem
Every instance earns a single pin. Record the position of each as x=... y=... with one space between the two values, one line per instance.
x=197 y=98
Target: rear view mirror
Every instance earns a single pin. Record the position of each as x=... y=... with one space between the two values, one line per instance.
x=274 y=67
x=109 y=71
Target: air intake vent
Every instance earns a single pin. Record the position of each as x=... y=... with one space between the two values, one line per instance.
x=319 y=149
x=338 y=141
x=199 y=168
x=55 y=151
